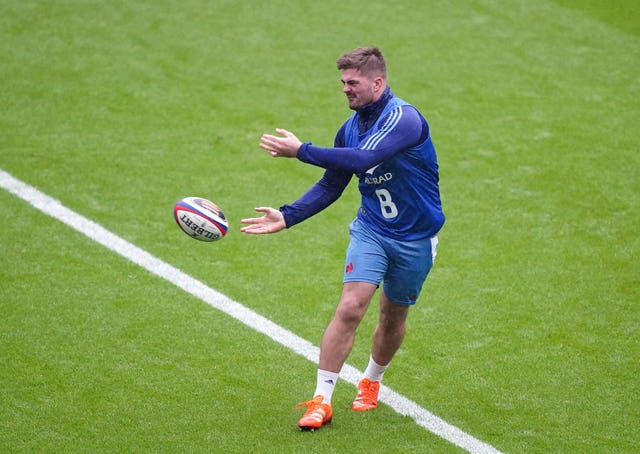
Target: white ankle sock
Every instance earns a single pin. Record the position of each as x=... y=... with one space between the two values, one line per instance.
x=374 y=371
x=325 y=385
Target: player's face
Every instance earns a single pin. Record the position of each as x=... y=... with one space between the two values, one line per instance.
x=359 y=89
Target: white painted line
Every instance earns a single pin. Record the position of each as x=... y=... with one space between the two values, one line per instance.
x=99 y=234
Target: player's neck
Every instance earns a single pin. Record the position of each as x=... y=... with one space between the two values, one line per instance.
x=367 y=115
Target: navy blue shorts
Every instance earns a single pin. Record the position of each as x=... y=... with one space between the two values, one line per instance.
x=402 y=266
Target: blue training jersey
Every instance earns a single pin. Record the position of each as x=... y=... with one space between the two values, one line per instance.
x=389 y=149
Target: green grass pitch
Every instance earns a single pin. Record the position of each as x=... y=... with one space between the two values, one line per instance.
x=527 y=332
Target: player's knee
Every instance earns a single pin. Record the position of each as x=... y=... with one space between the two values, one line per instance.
x=393 y=318
x=351 y=310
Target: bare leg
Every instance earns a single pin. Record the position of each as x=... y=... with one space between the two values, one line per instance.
x=390 y=330
x=338 y=338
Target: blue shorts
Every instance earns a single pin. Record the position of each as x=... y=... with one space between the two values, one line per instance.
x=402 y=265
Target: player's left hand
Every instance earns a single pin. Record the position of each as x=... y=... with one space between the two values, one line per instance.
x=286 y=145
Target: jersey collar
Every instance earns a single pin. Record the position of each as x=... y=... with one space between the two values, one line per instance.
x=367 y=115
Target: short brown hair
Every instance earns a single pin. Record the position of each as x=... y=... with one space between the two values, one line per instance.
x=368 y=60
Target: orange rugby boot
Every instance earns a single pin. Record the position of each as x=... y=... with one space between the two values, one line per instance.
x=317 y=414
x=367 y=398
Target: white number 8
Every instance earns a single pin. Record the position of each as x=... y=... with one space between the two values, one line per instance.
x=388 y=208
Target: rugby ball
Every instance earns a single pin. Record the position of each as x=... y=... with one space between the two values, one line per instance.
x=200 y=219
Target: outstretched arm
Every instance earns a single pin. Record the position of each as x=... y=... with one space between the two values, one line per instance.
x=401 y=129
x=317 y=198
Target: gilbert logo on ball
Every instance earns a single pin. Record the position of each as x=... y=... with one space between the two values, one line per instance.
x=200 y=218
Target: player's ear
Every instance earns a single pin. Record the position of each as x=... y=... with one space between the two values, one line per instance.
x=378 y=83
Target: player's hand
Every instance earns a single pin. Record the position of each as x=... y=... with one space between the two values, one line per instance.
x=286 y=145
x=271 y=222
